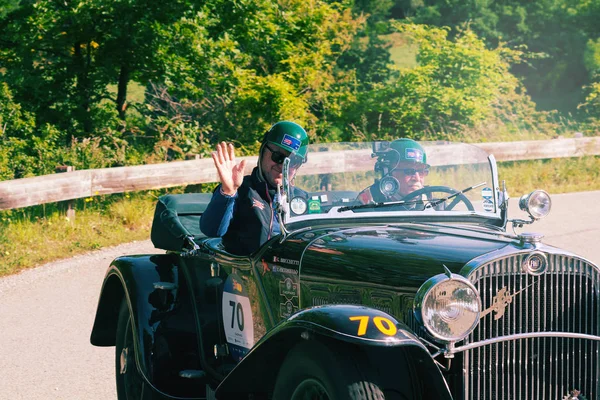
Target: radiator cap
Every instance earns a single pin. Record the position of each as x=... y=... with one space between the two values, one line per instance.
x=531 y=237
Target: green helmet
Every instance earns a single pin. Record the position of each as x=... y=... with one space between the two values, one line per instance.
x=289 y=136
x=409 y=151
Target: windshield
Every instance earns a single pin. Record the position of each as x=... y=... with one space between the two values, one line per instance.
x=342 y=180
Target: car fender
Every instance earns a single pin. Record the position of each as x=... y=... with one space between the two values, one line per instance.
x=149 y=283
x=350 y=324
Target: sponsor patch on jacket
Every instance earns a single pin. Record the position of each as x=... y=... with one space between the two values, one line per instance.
x=258 y=204
x=290 y=141
x=413 y=154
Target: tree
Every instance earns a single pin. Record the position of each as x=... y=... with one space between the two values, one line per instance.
x=239 y=69
x=554 y=32
x=63 y=55
x=7 y=6
x=458 y=82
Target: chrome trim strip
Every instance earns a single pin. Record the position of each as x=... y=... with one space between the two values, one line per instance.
x=292 y=233
x=495 y=182
x=519 y=336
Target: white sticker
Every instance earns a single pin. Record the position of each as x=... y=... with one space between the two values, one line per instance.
x=488 y=202
x=237 y=314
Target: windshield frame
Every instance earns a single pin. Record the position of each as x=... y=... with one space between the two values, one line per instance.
x=495 y=218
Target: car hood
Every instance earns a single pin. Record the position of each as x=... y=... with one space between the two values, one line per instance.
x=398 y=255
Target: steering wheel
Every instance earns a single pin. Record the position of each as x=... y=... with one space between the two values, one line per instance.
x=428 y=190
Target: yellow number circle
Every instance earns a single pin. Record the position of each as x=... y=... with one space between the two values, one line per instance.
x=385 y=326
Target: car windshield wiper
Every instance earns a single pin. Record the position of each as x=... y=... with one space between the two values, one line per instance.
x=379 y=205
x=435 y=202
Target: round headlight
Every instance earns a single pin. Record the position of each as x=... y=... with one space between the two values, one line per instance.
x=536 y=203
x=449 y=308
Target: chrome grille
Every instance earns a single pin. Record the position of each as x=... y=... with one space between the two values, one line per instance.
x=563 y=299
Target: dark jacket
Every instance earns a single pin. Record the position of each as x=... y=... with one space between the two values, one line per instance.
x=372 y=194
x=252 y=221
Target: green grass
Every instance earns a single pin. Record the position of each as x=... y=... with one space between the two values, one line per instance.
x=135 y=92
x=561 y=175
x=135 y=95
x=37 y=235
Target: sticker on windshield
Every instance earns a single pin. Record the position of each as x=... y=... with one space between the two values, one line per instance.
x=237 y=317
x=488 y=199
x=314 y=205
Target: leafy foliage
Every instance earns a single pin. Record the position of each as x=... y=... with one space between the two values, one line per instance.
x=221 y=70
x=260 y=64
x=555 y=32
x=61 y=56
x=457 y=82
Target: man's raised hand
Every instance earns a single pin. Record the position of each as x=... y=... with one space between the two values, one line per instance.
x=230 y=173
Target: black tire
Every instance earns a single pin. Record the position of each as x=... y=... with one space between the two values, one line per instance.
x=314 y=371
x=130 y=383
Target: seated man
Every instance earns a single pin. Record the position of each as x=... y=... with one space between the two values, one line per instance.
x=241 y=209
x=403 y=167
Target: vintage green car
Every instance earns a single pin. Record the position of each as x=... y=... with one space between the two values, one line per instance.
x=432 y=296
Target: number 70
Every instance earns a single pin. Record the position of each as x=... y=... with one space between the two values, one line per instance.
x=384 y=325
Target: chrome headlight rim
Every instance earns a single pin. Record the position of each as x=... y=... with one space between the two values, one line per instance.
x=527 y=203
x=427 y=289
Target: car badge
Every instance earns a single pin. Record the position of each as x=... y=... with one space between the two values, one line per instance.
x=535 y=263
x=502 y=299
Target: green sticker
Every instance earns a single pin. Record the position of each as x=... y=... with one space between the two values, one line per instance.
x=314 y=206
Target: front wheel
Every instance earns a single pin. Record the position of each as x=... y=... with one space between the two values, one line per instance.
x=312 y=371
x=130 y=383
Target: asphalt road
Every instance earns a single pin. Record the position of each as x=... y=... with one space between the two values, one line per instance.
x=46 y=313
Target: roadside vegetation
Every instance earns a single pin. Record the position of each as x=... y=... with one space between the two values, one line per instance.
x=98 y=84
x=38 y=235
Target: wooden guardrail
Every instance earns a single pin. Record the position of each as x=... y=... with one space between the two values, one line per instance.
x=86 y=183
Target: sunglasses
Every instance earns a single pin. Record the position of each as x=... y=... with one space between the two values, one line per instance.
x=412 y=171
x=278 y=157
